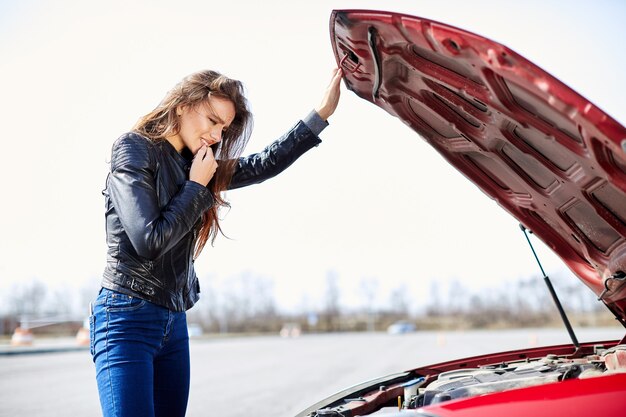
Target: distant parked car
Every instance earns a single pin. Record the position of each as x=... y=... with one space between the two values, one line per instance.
x=194 y=330
x=401 y=327
x=290 y=330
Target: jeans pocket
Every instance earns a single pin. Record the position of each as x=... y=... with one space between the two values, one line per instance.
x=131 y=306
x=117 y=302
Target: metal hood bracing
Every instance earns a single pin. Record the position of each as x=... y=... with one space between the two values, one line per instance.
x=548 y=156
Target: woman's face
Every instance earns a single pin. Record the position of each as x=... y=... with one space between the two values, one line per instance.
x=203 y=123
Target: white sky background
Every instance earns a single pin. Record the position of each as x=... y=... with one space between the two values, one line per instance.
x=373 y=201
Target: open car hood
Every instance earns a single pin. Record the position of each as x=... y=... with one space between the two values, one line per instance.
x=548 y=156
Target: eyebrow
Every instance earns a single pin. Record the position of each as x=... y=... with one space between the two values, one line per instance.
x=216 y=116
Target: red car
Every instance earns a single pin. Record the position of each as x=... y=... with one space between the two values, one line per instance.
x=546 y=155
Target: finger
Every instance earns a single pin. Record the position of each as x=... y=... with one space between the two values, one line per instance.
x=201 y=152
x=335 y=84
x=209 y=154
x=337 y=74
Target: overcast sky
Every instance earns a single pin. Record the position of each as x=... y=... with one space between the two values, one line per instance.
x=373 y=201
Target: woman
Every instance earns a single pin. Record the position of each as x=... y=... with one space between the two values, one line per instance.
x=162 y=199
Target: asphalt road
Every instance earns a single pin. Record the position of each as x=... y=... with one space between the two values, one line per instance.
x=260 y=376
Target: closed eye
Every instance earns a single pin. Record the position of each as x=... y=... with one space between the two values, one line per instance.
x=215 y=122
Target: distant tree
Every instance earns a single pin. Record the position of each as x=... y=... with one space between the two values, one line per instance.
x=264 y=303
x=331 y=301
x=457 y=297
x=433 y=307
x=247 y=303
x=399 y=301
x=88 y=293
x=59 y=302
x=27 y=299
x=368 y=288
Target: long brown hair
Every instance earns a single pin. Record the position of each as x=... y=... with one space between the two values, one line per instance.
x=161 y=122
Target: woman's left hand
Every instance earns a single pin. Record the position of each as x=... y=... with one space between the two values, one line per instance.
x=331 y=97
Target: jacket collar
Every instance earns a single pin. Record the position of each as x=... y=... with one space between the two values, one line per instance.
x=183 y=158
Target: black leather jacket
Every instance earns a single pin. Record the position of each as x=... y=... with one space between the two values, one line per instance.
x=153 y=213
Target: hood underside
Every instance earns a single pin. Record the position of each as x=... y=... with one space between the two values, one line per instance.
x=548 y=156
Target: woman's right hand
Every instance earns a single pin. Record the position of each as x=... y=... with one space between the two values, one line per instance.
x=331 y=97
x=203 y=166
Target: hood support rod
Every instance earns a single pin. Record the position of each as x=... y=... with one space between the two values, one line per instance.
x=546 y=279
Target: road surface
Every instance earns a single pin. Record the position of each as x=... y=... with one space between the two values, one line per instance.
x=260 y=376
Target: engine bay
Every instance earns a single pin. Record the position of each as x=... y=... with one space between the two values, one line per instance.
x=465 y=383
x=433 y=388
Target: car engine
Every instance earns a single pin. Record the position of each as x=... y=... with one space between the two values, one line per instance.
x=469 y=382
x=464 y=383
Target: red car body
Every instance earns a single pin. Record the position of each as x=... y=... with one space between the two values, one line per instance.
x=582 y=397
x=549 y=157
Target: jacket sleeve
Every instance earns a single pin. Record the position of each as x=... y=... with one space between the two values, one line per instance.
x=275 y=158
x=152 y=230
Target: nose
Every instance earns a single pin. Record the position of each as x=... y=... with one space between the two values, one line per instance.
x=216 y=135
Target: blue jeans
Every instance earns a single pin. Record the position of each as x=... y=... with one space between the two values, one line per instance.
x=141 y=353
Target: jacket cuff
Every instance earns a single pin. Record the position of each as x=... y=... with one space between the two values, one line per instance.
x=315 y=123
x=201 y=199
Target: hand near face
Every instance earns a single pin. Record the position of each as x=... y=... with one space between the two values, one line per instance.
x=203 y=166
x=331 y=96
